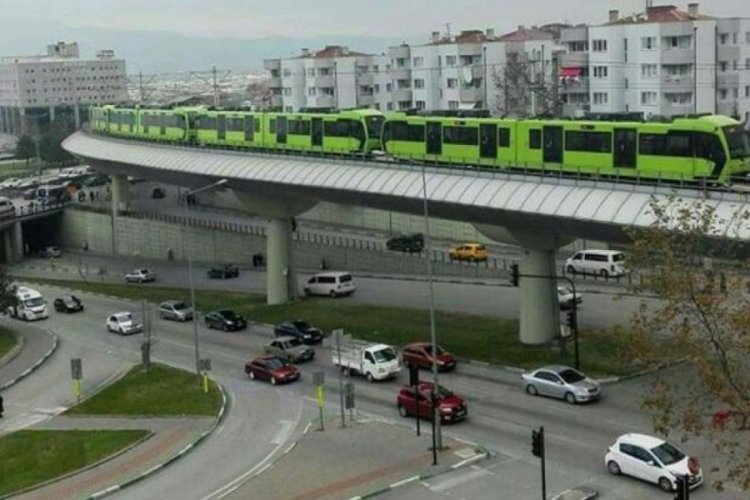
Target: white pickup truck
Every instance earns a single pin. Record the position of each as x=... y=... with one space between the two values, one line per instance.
x=374 y=361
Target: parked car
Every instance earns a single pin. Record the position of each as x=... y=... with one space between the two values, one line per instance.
x=28 y=184
x=223 y=272
x=420 y=354
x=406 y=243
x=29 y=194
x=451 y=407
x=50 y=252
x=290 y=349
x=653 y=460
x=273 y=369
x=176 y=310
x=123 y=323
x=11 y=183
x=560 y=381
x=140 y=276
x=68 y=304
x=333 y=284
x=566 y=298
x=472 y=252
x=302 y=330
x=96 y=180
x=225 y=319
x=158 y=193
x=605 y=263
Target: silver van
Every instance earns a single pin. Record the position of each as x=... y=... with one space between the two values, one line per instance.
x=332 y=284
x=605 y=263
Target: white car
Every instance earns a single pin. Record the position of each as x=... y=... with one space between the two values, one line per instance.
x=11 y=183
x=140 y=276
x=566 y=298
x=50 y=252
x=332 y=284
x=123 y=323
x=652 y=459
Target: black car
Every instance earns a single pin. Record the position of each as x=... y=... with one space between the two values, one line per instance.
x=304 y=331
x=68 y=304
x=225 y=319
x=406 y=243
x=158 y=193
x=223 y=272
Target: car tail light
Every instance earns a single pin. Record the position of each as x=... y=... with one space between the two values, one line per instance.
x=693 y=466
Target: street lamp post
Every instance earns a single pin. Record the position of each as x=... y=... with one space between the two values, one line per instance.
x=190 y=266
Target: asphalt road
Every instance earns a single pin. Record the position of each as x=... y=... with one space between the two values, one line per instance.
x=263 y=418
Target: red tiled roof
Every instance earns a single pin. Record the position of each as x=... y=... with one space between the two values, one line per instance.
x=526 y=34
x=333 y=51
x=660 y=14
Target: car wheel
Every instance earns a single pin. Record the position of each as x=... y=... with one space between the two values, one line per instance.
x=162 y=315
x=665 y=484
x=570 y=398
x=251 y=375
x=604 y=273
x=402 y=411
x=370 y=378
x=333 y=294
x=613 y=468
x=531 y=390
x=273 y=380
x=570 y=269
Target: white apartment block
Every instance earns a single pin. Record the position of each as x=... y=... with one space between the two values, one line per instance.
x=34 y=88
x=664 y=62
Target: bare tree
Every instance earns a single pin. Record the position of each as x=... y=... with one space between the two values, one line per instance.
x=522 y=89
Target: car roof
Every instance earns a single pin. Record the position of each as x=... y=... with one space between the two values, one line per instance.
x=331 y=274
x=424 y=386
x=122 y=313
x=284 y=338
x=172 y=301
x=419 y=344
x=555 y=368
x=641 y=440
x=266 y=357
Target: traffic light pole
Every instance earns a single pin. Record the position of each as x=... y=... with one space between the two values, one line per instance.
x=514 y=280
x=537 y=449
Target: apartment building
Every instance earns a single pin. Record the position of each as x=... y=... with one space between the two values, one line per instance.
x=34 y=90
x=662 y=62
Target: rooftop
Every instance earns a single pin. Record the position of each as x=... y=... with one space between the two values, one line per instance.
x=329 y=52
x=662 y=14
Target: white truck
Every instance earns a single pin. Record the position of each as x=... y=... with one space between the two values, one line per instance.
x=30 y=305
x=374 y=361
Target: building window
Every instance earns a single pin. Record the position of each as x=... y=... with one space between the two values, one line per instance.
x=419 y=83
x=735 y=65
x=648 y=98
x=723 y=38
x=452 y=83
x=599 y=45
x=310 y=71
x=736 y=92
x=648 y=43
x=420 y=104
x=325 y=71
x=747 y=63
x=600 y=72
x=678 y=42
x=377 y=88
x=450 y=60
x=287 y=91
x=723 y=94
x=389 y=106
x=452 y=104
x=679 y=98
x=375 y=68
x=601 y=98
x=734 y=38
x=388 y=87
x=747 y=91
x=312 y=91
x=418 y=62
x=649 y=70
x=723 y=65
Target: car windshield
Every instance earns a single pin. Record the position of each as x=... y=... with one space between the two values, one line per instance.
x=295 y=342
x=571 y=376
x=35 y=302
x=442 y=392
x=71 y=300
x=125 y=317
x=180 y=306
x=384 y=355
x=345 y=278
x=228 y=314
x=667 y=454
x=737 y=141
x=275 y=363
x=301 y=325
x=618 y=257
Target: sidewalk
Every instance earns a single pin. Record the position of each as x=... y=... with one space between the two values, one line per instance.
x=364 y=458
x=35 y=344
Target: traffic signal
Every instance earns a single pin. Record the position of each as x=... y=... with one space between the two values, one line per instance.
x=570 y=320
x=537 y=442
x=514 y=274
x=683 y=488
x=413 y=375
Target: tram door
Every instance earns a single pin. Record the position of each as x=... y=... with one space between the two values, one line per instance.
x=434 y=138
x=488 y=140
x=221 y=127
x=317 y=132
x=553 y=144
x=281 y=129
x=625 y=148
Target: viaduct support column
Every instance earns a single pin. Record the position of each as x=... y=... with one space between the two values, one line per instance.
x=8 y=245
x=120 y=193
x=280 y=275
x=16 y=233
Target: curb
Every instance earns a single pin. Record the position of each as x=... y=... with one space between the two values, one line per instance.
x=642 y=373
x=33 y=368
x=169 y=461
x=16 y=350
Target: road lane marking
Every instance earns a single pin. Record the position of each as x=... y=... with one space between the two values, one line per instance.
x=283 y=434
x=447 y=484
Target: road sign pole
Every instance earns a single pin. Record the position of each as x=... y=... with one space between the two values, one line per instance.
x=318 y=381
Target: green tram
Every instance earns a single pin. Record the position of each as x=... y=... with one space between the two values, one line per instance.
x=711 y=148
x=344 y=132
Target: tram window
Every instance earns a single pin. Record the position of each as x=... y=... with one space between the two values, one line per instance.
x=272 y=126
x=465 y=136
x=299 y=127
x=591 y=142
x=709 y=147
x=402 y=131
x=535 y=139
x=676 y=144
x=503 y=137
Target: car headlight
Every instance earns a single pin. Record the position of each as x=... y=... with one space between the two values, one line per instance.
x=446 y=410
x=230 y=322
x=307 y=336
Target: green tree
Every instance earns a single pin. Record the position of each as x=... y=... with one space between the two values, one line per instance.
x=25 y=148
x=701 y=322
x=7 y=291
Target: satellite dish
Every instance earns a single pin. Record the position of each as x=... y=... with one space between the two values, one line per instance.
x=466 y=75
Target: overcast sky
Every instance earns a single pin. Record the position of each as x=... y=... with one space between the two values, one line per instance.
x=260 y=18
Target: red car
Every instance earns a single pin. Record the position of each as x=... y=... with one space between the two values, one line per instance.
x=271 y=368
x=452 y=407
x=420 y=354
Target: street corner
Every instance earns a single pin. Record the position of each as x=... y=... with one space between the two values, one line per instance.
x=361 y=460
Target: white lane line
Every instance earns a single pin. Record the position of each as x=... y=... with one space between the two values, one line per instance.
x=446 y=484
x=283 y=434
x=404 y=481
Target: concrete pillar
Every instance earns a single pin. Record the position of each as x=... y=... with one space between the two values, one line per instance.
x=540 y=311
x=8 y=245
x=120 y=193
x=51 y=114
x=78 y=115
x=17 y=241
x=280 y=276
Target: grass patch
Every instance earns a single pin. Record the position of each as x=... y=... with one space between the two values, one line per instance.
x=28 y=458
x=160 y=391
x=7 y=341
x=469 y=336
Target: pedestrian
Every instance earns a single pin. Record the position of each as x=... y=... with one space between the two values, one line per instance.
x=91 y=195
x=1 y=406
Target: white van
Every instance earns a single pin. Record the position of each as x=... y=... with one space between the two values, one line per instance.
x=7 y=209
x=332 y=284
x=30 y=305
x=605 y=263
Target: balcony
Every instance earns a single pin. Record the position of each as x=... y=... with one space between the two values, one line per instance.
x=469 y=49
x=677 y=56
x=674 y=83
x=728 y=79
x=400 y=52
x=366 y=79
x=574 y=60
x=324 y=81
x=402 y=73
x=579 y=84
x=471 y=94
x=322 y=101
x=274 y=83
x=401 y=94
x=728 y=52
x=269 y=64
x=575 y=110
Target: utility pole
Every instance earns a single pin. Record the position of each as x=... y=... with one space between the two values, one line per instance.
x=216 y=89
